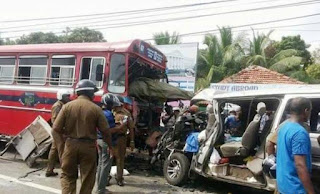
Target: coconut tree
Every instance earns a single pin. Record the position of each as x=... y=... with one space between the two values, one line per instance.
x=163 y=38
x=285 y=61
x=257 y=48
x=221 y=58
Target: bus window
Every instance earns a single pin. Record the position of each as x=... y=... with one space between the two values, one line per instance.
x=89 y=67
x=62 y=70
x=117 y=78
x=32 y=70
x=7 y=65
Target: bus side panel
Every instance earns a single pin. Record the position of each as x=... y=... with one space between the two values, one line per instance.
x=19 y=108
x=14 y=121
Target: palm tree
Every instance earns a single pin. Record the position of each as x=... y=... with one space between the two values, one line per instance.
x=221 y=58
x=284 y=62
x=257 y=49
x=163 y=38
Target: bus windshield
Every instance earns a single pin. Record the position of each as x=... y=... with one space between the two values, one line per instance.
x=117 y=78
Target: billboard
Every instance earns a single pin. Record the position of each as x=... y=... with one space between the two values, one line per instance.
x=181 y=65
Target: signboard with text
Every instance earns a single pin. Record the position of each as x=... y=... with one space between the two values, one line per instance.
x=247 y=87
x=150 y=53
x=181 y=65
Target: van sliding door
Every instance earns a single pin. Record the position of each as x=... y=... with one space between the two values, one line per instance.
x=213 y=132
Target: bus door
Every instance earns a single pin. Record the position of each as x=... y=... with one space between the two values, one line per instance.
x=93 y=68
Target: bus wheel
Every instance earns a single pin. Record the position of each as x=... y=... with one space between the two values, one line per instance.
x=176 y=169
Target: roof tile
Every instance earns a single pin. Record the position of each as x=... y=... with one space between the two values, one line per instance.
x=259 y=75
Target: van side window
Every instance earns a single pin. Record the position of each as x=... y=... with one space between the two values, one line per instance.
x=7 y=66
x=313 y=125
x=315 y=116
x=62 y=70
x=89 y=67
x=32 y=70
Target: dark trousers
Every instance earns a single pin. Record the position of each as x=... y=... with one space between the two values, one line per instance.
x=104 y=166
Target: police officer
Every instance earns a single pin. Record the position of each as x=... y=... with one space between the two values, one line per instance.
x=128 y=108
x=121 y=115
x=78 y=121
x=105 y=161
x=63 y=97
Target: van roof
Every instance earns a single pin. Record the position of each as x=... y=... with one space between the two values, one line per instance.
x=303 y=89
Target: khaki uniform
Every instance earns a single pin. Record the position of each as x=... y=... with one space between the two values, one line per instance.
x=78 y=121
x=121 y=144
x=53 y=153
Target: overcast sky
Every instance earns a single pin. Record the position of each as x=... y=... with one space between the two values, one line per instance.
x=20 y=9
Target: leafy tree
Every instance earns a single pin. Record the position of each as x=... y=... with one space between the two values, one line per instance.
x=298 y=44
x=38 y=38
x=270 y=51
x=284 y=61
x=8 y=41
x=1 y=41
x=222 y=57
x=83 y=35
x=287 y=66
x=263 y=52
x=316 y=55
x=314 y=71
x=163 y=38
x=76 y=35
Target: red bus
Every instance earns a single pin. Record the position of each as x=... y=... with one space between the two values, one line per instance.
x=31 y=75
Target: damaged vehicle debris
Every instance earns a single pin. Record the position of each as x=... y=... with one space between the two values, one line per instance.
x=174 y=138
x=237 y=158
x=32 y=142
x=150 y=96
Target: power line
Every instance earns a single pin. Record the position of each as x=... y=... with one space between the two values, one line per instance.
x=240 y=26
x=119 y=12
x=247 y=25
x=135 y=17
x=126 y=24
x=293 y=25
x=120 y=25
x=299 y=30
x=314 y=41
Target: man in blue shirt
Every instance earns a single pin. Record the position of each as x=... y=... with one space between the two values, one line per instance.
x=294 y=151
x=105 y=159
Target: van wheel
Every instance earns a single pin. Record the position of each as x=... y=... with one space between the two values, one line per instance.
x=176 y=169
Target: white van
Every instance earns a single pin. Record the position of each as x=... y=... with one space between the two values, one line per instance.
x=243 y=157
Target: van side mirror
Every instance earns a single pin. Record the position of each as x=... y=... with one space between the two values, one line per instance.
x=99 y=73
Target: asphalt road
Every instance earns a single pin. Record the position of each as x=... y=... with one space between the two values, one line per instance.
x=17 y=177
